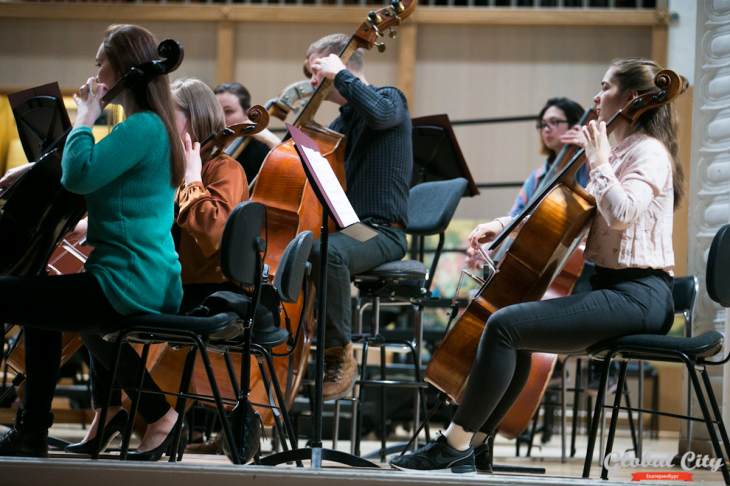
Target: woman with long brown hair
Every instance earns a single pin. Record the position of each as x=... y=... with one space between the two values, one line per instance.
x=209 y=192
x=636 y=181
x=128 y=180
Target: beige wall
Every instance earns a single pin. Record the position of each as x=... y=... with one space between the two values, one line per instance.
x=466 y=72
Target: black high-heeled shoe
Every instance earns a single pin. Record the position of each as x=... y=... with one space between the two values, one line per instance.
x=113 y=428
x=166 y=447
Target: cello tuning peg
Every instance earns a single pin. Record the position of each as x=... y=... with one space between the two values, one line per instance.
x=380 y=46
x=392 y=33
x=374 y=18
x=398 y=6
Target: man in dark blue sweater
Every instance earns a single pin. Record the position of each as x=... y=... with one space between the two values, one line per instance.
x=378 y=166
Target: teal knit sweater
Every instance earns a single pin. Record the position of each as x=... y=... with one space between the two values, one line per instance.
x=126 y=181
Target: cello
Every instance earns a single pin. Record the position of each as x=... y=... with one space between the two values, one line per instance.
x=291 y=204
x=558 y=220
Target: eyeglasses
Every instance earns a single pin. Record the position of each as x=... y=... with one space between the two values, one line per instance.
x=553 y=123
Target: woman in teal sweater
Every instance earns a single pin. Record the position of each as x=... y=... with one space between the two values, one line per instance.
x=128 y=180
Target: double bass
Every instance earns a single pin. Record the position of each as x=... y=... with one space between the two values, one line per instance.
x=558 y=220
x=291 y=204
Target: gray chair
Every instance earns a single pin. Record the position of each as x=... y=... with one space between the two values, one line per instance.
x=403 y=283
x=693 y=352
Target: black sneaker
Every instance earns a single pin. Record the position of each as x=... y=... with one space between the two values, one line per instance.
x=437 y=456
x=483 y=458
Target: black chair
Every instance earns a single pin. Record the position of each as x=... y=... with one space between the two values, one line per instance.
x=692 y=351
x=242 y=263
x=684 y=293
x=403 y=283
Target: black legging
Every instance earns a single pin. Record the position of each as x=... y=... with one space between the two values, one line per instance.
x=623 y=302
x=47 y=306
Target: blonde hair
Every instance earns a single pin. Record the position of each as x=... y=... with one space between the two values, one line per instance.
x=636 y=74
x=201 y=107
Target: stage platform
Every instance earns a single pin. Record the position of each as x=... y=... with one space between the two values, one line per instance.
x=62 y=469
x=75 y=472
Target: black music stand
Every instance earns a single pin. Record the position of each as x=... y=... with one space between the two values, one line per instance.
x=43 y=123
x=436 y=153
x=41 y=118
x=332 y=203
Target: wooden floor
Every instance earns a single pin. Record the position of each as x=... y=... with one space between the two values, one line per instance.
x=216 y=470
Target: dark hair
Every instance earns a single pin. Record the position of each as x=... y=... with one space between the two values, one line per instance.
x=636 y=74
x=126 y=46
x=239 y=91
x=572 y=110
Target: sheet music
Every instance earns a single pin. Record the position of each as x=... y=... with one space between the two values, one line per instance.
x=331 y=188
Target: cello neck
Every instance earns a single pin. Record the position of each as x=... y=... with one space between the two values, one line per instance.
x=320 y=94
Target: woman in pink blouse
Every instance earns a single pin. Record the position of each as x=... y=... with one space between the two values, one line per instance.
x=636 y=181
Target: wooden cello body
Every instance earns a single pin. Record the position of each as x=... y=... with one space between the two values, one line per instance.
x=558 y=220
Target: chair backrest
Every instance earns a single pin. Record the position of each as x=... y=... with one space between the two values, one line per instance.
x=718 y=267
x=431 y=205
x=242 y=245
x=293 y=267
x=684 y=293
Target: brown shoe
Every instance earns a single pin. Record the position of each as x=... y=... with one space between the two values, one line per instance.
x=340 y=372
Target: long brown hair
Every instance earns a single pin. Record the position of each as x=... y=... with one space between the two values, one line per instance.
x=126 y=46
x=661 y=123
x=201 y=107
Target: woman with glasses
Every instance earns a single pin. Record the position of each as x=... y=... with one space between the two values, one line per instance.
x=554 y=120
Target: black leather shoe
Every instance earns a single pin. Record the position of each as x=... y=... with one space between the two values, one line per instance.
x=164 y=448
x=27 y=438
x=113 y=428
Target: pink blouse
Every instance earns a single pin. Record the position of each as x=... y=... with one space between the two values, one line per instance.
x=635 y=200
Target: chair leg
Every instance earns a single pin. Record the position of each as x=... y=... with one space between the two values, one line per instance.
x=336 y=425
x=576 y=400
x=718 y=414
x=360 y=395
x=383 y=428
x=275 y=409
x=596 y=417
x=654 y=424
x=227 y=433
x=108 y=401
x=632 y=426
x=135 y=401
x=175 y=452
x=614 y=416
x=417 y=362
x=709 y=422
x=290 y=431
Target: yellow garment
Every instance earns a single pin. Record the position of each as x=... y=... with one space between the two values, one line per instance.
x=11 y=152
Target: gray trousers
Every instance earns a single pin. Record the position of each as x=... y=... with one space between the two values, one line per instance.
x=346 y=257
